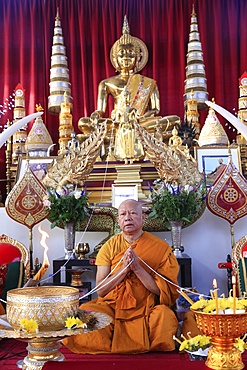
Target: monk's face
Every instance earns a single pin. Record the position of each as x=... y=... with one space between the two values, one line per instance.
x=130 y=217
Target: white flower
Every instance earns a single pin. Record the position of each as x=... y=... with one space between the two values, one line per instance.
x=77 y=194
x=188 y=188
x=47 y=203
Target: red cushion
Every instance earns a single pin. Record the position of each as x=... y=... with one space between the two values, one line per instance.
x=9 y=253
x=3 y=272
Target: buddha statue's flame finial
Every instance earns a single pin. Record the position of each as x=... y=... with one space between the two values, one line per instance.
x=125 y=29
x=126 y=38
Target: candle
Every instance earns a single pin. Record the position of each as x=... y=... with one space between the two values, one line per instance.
x=176 y=339
x=186 y=297
x=234 y=293
x=216 y=296
x=212 y=294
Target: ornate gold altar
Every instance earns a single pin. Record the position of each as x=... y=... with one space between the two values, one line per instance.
x=223 y=330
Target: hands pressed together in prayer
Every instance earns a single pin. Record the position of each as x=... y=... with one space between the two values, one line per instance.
x=131 y=259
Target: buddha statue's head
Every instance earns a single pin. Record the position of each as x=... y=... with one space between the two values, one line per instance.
x=128 y=49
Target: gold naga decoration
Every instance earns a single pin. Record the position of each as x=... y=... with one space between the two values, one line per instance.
x=173 y=162
x=75 y=166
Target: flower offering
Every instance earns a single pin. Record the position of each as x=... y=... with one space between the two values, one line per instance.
x=174 y=202
x=68 y=204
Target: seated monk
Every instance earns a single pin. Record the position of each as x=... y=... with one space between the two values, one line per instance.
x=137 y=299
x=128 y=55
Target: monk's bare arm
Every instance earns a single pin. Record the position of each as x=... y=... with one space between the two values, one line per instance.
x=112 y=281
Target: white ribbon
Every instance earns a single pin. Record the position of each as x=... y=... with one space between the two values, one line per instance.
x=6 y=134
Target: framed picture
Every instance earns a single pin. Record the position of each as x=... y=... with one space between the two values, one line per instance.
x=212 y=160
x=121 y=193
x=38 y=165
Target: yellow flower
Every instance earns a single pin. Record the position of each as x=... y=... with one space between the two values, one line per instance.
x=199 y=305
x=29 y=326
x=184 y=345
x=193 y=344
x=240 y=344
x=210 y=307
x=74 y=322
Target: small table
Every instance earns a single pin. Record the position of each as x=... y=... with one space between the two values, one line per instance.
x=184 y=277
x=57 y=264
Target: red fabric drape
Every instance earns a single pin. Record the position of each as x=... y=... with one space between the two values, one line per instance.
x=90 y=27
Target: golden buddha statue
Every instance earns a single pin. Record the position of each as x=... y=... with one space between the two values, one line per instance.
x=129 y=55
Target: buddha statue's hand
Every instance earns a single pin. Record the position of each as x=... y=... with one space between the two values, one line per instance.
x=96 y=115
x=150 y=113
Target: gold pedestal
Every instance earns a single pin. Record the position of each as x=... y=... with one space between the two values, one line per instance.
x=223 y=355
x=129 y=175
x=77 y=277
x=40 y=351
x=224 y=330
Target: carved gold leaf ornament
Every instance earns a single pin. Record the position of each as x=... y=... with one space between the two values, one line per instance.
x=173 y=163
x=75 y=166
x=24 y=203
x=227 y=196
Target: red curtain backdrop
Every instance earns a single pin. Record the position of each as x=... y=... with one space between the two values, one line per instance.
x=90 y=27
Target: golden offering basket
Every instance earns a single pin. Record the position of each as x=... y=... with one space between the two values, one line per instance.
x=223 y=330
x=49 y=306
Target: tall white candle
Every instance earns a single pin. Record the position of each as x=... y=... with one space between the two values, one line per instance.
x=216 y=296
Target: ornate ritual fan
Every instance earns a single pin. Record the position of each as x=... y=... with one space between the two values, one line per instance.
x=24 y=204
x=227 y=197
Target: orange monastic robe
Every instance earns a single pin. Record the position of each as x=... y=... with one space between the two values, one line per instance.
x=141 y=321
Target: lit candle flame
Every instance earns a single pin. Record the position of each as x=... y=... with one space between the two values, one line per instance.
x=215 y=284
x=45 y=264
x=44 y=236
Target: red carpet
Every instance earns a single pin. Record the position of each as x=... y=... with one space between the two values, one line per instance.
x=12 y=350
